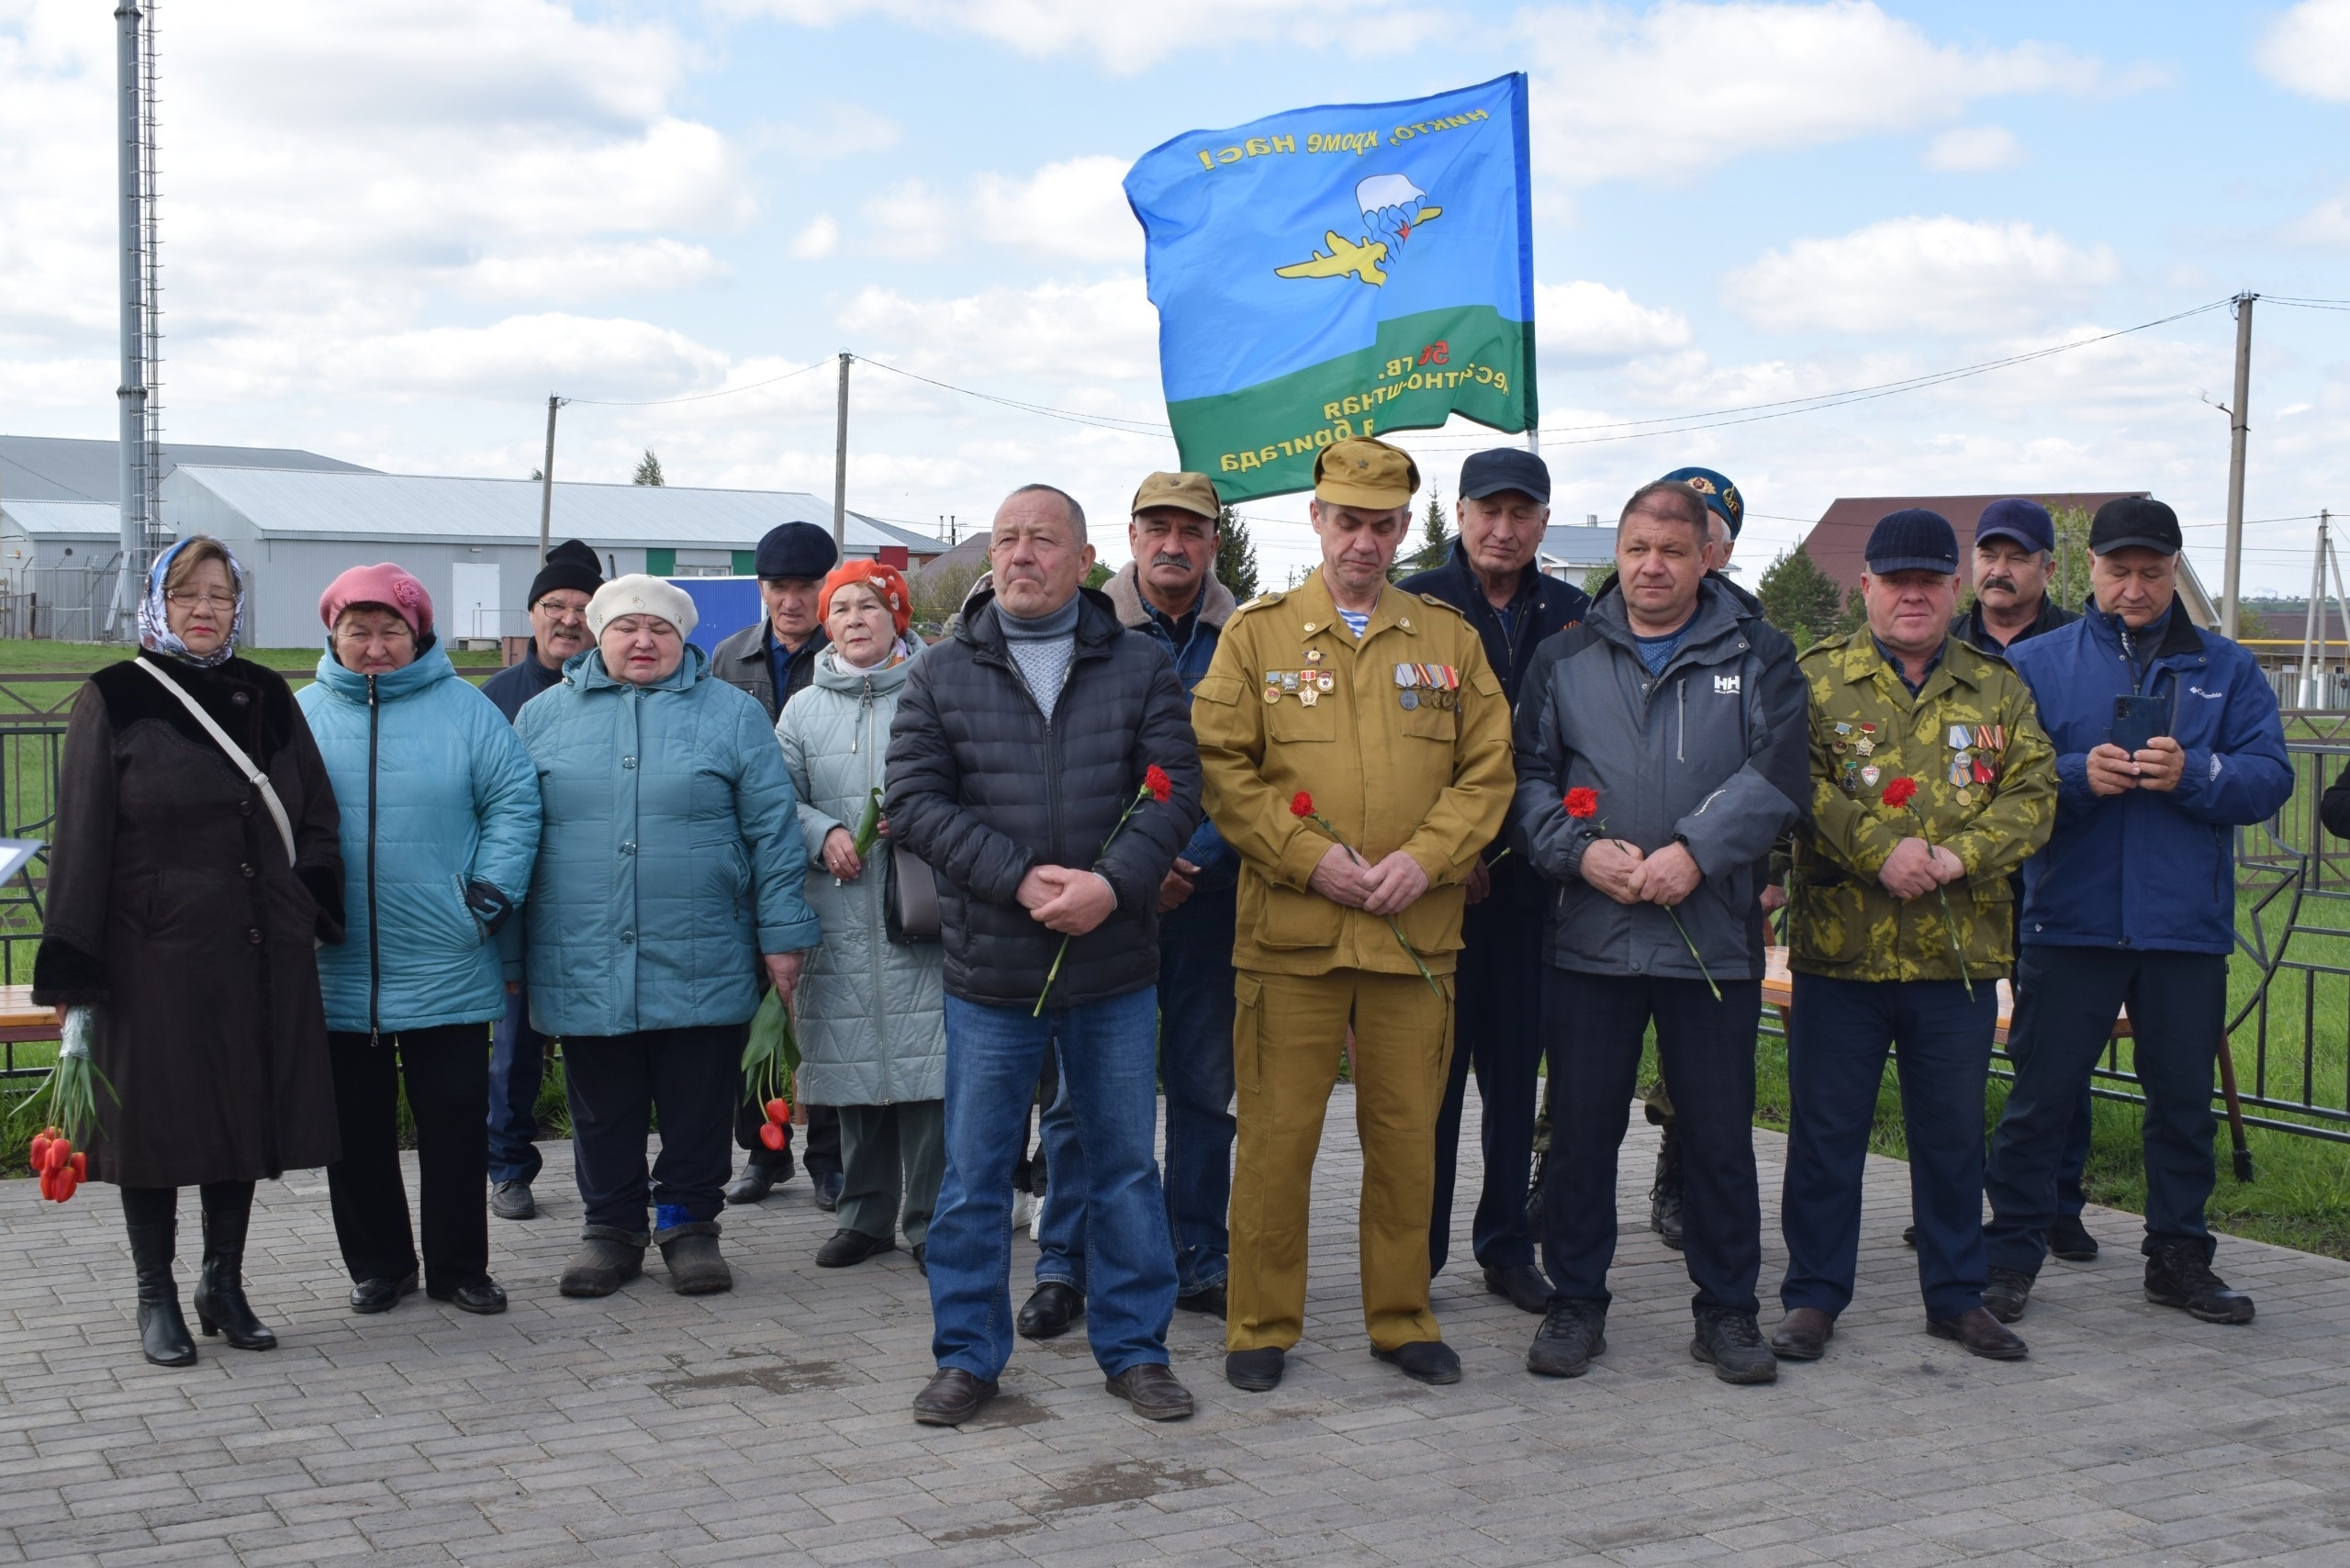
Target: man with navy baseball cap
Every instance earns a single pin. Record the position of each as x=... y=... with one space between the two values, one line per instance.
x=1503 y=513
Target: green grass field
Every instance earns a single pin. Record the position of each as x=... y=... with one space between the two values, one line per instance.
x=24 y=656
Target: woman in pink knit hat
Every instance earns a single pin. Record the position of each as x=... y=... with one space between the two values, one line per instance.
x=440 y=826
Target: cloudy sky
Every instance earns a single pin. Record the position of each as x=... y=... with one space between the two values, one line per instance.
x=393 y=227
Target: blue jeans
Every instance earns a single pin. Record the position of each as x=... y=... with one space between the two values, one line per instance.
x=1838 y=1031
x=2068 y=998
x=993 y=1056
x=1195 y=1009
x=517 y=1061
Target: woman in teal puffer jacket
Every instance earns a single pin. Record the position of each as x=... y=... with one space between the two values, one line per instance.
x=872 y=1013
x=440 y=823
x=668 y=884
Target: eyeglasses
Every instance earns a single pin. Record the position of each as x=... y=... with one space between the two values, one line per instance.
x=188 y=598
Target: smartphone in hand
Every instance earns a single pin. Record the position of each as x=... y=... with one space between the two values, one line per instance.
x=2137 y=720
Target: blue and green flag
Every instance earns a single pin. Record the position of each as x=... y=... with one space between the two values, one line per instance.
x=1341 y=271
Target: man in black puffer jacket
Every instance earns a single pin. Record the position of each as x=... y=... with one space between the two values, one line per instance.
x=1042 y=763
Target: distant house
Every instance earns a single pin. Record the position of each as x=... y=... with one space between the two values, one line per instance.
x=1569 y=550
x=1836 y=540
x=475 y=542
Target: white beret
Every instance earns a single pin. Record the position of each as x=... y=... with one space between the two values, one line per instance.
x=637 y=594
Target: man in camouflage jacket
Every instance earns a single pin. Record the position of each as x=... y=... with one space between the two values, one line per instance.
x=1931 y=781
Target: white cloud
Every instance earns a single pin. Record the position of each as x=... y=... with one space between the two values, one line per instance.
x=1971 y=148
x=1584 y=323
x=819 y=240
x=2325 y=226
x=1935 y=275
x=1073 y=208
x=590 y=271
x=1682 y=88
x=516 y=359
x=1071 y=332
x=1127 y=38
x=2307 y=49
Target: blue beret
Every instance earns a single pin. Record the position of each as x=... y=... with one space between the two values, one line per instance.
x=1721 y=495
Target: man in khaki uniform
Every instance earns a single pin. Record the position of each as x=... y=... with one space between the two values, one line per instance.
x=1380 y=707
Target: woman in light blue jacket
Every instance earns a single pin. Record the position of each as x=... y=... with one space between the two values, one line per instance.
x=872 y=1014
x=667 y=888
x=440 y=823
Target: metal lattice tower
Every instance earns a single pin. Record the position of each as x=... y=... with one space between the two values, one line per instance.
x=139 y=428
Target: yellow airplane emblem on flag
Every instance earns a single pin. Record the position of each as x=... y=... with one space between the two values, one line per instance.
x=1358 y=259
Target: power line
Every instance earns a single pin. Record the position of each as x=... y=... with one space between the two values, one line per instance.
x=2306 y=304
x=1099 y=422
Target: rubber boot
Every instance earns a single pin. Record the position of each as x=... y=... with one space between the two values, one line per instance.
x=163 y=1332
x=220 y=1304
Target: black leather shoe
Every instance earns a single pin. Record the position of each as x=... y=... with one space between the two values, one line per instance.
x=1153 y=1391
x=951 y=1398
x=828 y=1191
x=485 y=1298
x=2008 y=1293
x=1909 y=1236
x=1803 y=1335
x=1208 y=1299
x=1664 y=1198
x=920 y=1251
x=1051 y=1309
x=1572 y=1333
x=382 y=1295
x=852 y=1247
x=2180 y=1276
x=1256 y=1371
x=1731 y=1343
x=1423 y=1361
x=2068 y=1238
x=513 y=1200
x=1524 y=1285
x=1981 y=1333
x=755 y=1183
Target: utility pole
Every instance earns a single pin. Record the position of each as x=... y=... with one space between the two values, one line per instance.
x=131 y=396
x=546 y=480
x=840 y=469
x=2237 y=428
x=2314 y=621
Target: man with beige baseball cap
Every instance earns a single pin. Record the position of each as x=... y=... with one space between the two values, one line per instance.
x=1355 y=747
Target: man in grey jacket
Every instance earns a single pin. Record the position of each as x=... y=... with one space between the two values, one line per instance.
x=1661 y=751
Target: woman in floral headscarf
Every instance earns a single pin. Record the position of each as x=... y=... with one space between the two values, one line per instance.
x=186 y=897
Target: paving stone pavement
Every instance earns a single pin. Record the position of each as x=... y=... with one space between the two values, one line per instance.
x=772 y=1423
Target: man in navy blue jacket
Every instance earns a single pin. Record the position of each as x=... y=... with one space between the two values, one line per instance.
x=2132 y=901
x=1502 y=510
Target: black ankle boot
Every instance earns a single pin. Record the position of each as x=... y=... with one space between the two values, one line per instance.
x=163 y=1332
x=220 y=1304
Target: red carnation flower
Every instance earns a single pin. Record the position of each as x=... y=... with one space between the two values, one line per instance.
x=1900 y=792
x=1300 y=804
x=1583 y=801
x=1155 y=779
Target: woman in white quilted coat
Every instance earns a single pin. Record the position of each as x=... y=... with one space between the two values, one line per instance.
x=870 y=1013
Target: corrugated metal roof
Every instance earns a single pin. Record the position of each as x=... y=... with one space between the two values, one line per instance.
x=287 y=504
x=72 y=518
x=1580 y=545
x=65 y=469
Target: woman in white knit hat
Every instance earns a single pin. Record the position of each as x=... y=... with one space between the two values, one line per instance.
x=666 y=899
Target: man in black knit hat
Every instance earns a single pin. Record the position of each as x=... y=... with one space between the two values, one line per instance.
x=558 y=607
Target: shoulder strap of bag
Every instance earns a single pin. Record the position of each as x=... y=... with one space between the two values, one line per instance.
x=237 y=756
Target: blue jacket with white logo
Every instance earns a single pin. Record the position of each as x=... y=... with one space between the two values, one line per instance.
x=2145 y=869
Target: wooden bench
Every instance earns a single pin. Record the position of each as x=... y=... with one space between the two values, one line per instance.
x=20 y=1020
x=1778 y=991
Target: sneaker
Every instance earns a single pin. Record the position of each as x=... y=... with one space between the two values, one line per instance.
x=1024 y=1210
x=2008 y=1293
x=513 y=1200
x=1732 y=1342
x=1572 y=1332
x=2070 y=1239
x=2179 y=1275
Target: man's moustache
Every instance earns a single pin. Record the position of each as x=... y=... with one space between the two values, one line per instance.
x=1183 y=561
x=2008 y=583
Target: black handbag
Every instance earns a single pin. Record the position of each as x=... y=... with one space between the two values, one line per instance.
x=909 y=900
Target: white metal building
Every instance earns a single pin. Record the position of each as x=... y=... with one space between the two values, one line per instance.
x=475 y=542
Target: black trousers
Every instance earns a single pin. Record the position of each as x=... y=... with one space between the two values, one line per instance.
x=1594 y=1024
x=2066 y=1001
x=822 y=1153
x=1497 y=1034
x=614 y=1083
x=446 y=1071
